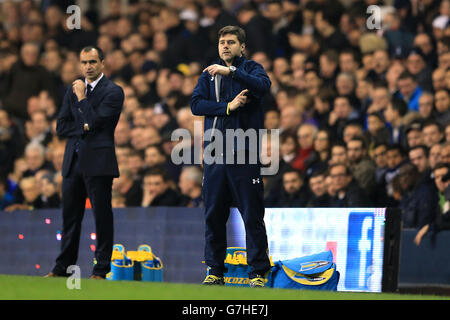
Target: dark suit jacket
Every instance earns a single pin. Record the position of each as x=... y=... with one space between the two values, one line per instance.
x=101 y=111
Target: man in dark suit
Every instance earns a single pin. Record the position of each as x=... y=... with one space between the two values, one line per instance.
x=88 y=118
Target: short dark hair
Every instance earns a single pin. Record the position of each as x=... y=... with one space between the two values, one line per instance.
x=407 y=75
x=329 y=15
x=332 y=55
x=348 y=172
x=339 y=144
x=293 y=170
x=158 y=148
x=396 y=147
x=360 y=139
x=237 y=31
x=318 y=172
x=432 y=122
x=399 y=105
x=423 y=147
x=158 y=171
x=441 y=165
x=380 y=144
x=101 y=56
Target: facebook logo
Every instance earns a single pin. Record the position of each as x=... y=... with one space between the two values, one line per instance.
x=359 y=250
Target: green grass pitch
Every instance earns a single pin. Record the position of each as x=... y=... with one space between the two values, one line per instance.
x=15 y=287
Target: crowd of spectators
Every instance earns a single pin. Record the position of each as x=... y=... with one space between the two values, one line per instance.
x=364 y=113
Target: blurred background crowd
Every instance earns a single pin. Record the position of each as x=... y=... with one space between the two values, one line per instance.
x=363 y=108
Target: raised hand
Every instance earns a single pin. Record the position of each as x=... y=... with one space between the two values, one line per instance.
x=239 y=100
x=217 y=69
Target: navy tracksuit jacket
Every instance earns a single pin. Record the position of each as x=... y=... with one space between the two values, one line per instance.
x=225 y=185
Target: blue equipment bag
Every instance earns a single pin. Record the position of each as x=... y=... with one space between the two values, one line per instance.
x=314 y=272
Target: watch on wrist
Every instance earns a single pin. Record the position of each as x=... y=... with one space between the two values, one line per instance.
x=232 y=70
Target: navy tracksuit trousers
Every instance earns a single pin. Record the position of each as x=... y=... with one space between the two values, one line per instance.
x=224 y=185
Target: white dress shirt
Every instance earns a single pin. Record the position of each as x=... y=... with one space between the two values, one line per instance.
x=93 y=83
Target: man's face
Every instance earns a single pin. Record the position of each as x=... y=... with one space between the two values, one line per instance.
x=312 y=81
x=90 y=64
x=415 y=63
x=425 y=105
x=339 y=177
x=444 y=60
x=379 y=156
x=445 y=154
x=381 y=61
x=442 y=101
x=185 y=184
x=30 y=190
x=292 y=182
x=347 y=63
x=135 y=163
x=355 y=151
x=406 y=87
x=431 y=135
x=39 y=122
x=423 y=42
x=414 y=138
x=393 y=158
x=374 y=124
x=229 y=47
x=34 y=159
x=272 y=120
x=318 y=186
x=69 y=72
x=434 y=156
x=389 y=113
x=305 y=137
x=29 y=54
x=342 y=108
x=153 y=157
x=381 y=96
x=338 y=155
x=438 y=175
x=327 y=67
x=155 y=185
x=419 y=159
x=438 y=79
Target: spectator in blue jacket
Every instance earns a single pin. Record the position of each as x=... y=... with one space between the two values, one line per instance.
x=409 y=90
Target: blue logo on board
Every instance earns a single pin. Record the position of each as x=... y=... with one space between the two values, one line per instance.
x=359 y=250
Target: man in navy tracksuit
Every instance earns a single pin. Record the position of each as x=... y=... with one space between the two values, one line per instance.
x=229 y=95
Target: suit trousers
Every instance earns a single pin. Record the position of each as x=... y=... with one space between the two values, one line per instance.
x=75 y=188
x=242 y=185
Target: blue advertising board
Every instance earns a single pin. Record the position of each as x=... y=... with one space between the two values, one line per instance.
x=354 y=235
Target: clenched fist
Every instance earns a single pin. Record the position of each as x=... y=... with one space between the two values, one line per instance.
x=78 y=87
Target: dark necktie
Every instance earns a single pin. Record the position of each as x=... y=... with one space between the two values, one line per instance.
x=88 y=91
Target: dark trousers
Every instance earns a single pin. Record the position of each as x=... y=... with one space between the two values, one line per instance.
x=75 y=188
x=242 y=185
